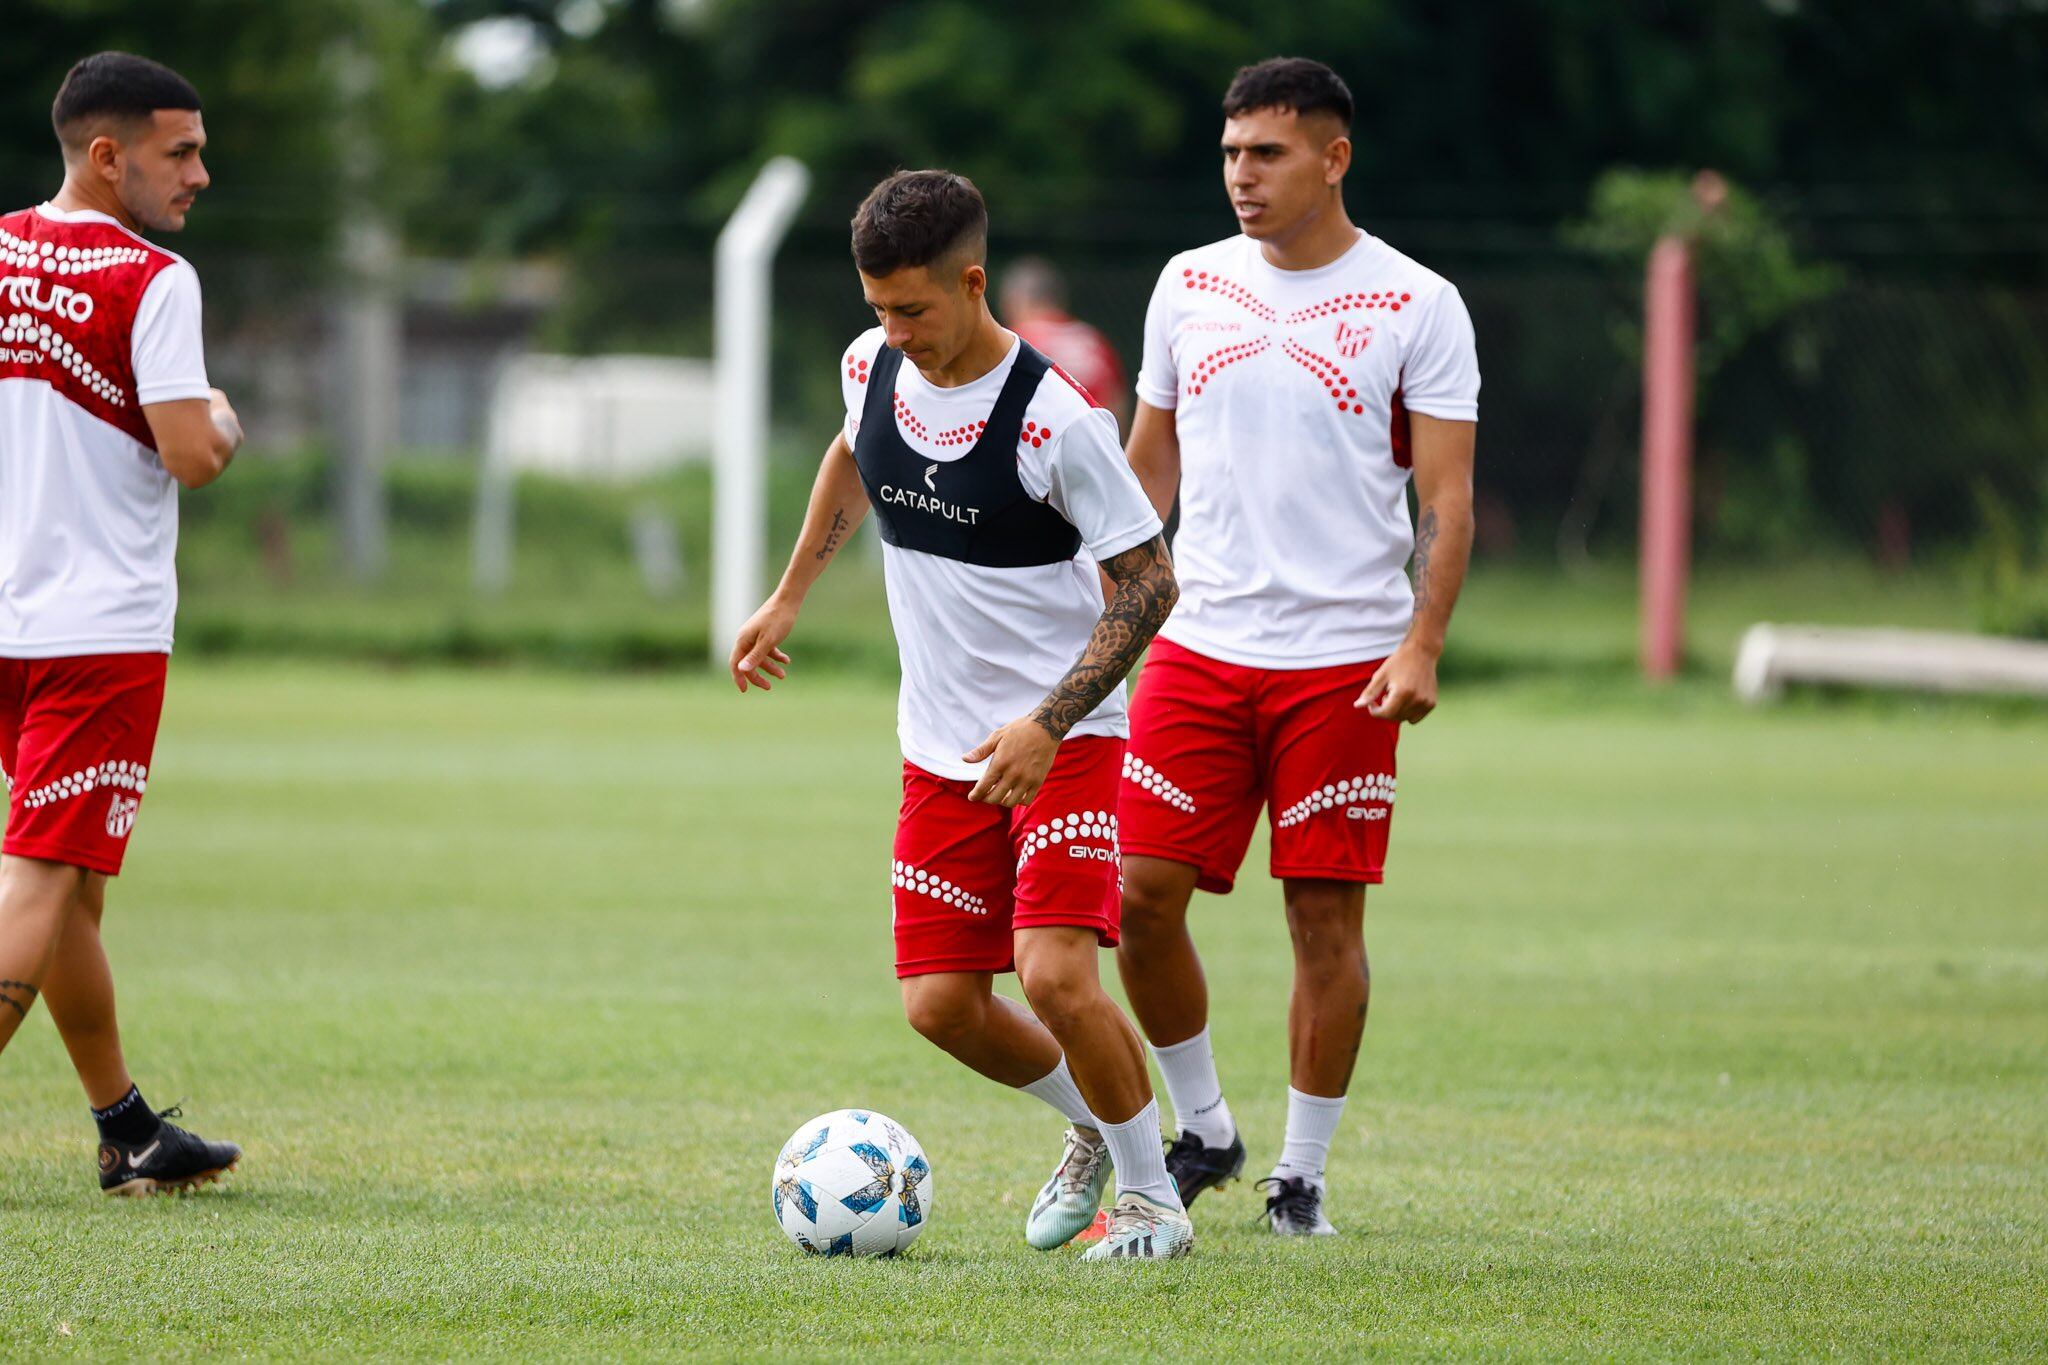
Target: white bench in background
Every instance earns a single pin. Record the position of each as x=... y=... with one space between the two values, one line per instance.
x=1916 y=660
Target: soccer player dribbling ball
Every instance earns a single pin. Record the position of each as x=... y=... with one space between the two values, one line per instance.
x=1296 y=377
x=104 y=410
x=999 y=487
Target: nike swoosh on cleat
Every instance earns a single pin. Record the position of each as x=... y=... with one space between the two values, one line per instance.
x=135 y=1159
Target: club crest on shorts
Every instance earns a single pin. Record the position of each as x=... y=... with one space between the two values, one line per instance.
x=121 y=815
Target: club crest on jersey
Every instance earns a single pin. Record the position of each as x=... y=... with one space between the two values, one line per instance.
x=121 y=815
x=930 y=470
x=1352 y=341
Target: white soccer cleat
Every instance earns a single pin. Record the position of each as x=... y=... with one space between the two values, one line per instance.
x=1067 y=1204
x=1142 y=1230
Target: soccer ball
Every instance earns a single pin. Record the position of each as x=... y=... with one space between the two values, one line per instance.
x=852 y=1183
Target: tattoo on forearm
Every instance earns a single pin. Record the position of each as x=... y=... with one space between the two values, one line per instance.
x=836 y=535
x=1145 y=594
x=1425 y=542
x=28 y=996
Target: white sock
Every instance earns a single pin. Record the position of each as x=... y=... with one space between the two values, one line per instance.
x=1139 y=1155
x=1189 y=1069
x=1311 y=1123
x=1057 y=1089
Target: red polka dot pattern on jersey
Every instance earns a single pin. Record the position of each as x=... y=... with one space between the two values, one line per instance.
x=962 y=435
x=1345 y=303
x=1207 y=368
x=908 y=420
x=1202 y=281
x=856 y=369
x=1034 y=435
x=1326 y=372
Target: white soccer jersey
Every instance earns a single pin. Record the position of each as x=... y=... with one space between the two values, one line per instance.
x=1290 y=391
x=980 y=646
x=95 y=322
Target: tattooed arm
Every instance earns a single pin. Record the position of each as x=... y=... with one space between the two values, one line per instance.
x=838 y=502
x=1404 y=688
x=1021 y=753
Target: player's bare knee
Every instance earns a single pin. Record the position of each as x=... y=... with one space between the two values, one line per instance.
x=1154 y=907
x=1062 y=994
x=945 y=1017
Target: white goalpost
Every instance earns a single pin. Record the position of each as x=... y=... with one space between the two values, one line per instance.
x=742 y=292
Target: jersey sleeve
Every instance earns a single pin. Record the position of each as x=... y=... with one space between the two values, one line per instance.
x=1090 y=483
x=166 y=347
x=1440 y=372
x=1158 y=380
x=854 y=369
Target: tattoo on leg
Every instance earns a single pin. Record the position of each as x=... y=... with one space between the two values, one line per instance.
x=20 y=1006
x=1145 y=594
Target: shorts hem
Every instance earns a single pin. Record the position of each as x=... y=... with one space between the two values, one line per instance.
x=59 y=853
x=932 y=966
x=1331 y=874
x=1207 y=878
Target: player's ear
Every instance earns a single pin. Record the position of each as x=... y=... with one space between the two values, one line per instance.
x=1336 y=159
x=103 y=154
x=974 y=281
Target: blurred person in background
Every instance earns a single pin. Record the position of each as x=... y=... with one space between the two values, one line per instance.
x=1034 y=306
x=104 y=411
x=1296 y=378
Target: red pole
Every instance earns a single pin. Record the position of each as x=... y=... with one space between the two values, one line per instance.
x=1667 y=454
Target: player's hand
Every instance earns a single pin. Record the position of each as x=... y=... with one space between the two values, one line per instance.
x=1019 y=756
x=1404 y=686
x=223 y=414
x=755 y=655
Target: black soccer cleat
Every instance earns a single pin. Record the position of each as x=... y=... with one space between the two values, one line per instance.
x=171 y=1162
x=1195 y=1168
x=1295 y=1208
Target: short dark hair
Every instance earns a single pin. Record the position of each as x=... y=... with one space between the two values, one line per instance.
x=1294 y=83
x=118 y=85
x=916 y=217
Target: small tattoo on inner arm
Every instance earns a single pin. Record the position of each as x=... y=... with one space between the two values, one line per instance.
x=834 y=536
x=1425 y=542
x=1145 y=594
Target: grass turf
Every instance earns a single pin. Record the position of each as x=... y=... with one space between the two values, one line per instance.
x=1697 y=1032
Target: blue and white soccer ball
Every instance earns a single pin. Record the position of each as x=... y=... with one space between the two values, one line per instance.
x=852 y=1183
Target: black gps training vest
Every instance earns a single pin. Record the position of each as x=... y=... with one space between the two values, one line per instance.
x=973 y=509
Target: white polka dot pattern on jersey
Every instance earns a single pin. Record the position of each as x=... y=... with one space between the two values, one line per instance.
x=1152 y=780
x=908 y=878
x=1352 y=791
x=1090 y=824
x=23 y=328
x=124 y=776
x=65 y=260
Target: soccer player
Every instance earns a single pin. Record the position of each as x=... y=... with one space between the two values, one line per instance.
x=1296 y=377
x=104 y=410
x=1034 y=306
x=999 y=486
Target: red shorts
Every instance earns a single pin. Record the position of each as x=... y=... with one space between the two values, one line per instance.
x=1213 y=742
x=75 y=742
x=968 y=874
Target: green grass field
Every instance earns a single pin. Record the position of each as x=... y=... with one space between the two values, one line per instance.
x=1697 y=1032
